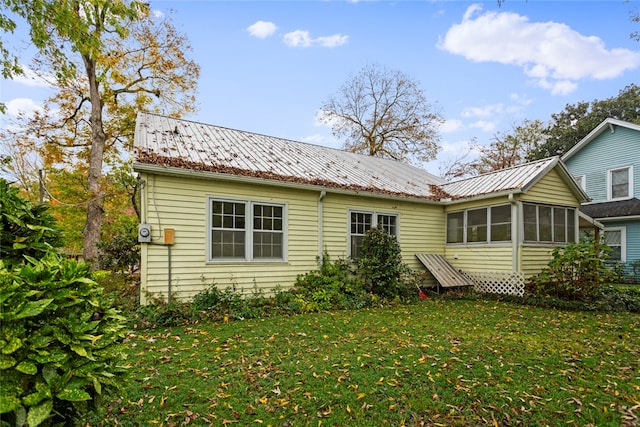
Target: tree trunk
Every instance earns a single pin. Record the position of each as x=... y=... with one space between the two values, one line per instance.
x=98 y=140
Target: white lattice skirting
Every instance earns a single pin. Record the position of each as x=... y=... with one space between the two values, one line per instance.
x=507 y=282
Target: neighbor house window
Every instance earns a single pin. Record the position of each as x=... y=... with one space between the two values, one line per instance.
x=361 y=222
x=483 y=225
x=548 y=224
x=581 y=180
x=246 y=231
x=615 y=238
x=620 y=183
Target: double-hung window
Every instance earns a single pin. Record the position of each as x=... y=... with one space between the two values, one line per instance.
x=620 y=183
x=360 y=222
x=616 y=238
x=548 y=224
x=482 y=225
x=246 y=231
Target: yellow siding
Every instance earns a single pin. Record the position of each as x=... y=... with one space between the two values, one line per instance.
x=489 y=258
x=422 y=226
x=535 y=259
x=181 y=204
x=551 y=190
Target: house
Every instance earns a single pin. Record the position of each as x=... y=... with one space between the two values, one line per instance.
x=606 y=163
x=253 y=211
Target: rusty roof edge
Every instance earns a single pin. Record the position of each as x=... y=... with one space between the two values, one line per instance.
x=205 y=174
x=462 y=199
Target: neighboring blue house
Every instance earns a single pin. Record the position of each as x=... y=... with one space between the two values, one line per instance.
x=606 y=163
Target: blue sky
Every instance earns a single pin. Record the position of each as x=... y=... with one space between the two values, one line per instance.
x=267 y=66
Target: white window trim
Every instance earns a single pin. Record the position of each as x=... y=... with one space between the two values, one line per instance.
x=552 y=225
x=629 y=169
x=488 y=225
x=623 y=241
x=374 y=223
x=248 y=254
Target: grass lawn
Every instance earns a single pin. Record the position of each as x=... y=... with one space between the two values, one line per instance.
x=438 y=362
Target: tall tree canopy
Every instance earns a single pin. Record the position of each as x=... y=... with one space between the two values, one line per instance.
x=107 y=60
x=575 y=122
x=383 y=113
x=506 y=149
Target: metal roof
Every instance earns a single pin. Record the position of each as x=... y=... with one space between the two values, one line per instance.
x=186 y=145
x=170 y=142
x=516 y=178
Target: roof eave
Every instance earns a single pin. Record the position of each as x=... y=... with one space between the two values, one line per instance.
x=483 y=196
x=207 y=175
x=595 y=133
x=592 y=221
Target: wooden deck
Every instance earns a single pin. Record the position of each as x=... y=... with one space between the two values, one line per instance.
x=446 y=274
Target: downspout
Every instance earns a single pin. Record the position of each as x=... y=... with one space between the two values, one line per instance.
x=320 y=220
x=169 y=274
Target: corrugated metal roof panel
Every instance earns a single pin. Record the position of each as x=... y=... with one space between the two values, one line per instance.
x=510 y=179
x=173 y=142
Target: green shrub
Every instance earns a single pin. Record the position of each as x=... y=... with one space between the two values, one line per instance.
x=576 y=272
x=226 y=303
x=332 y=286
x=26 y=229
x=124 y=287
x=160 y=313
x=61 y=343
x=380 y=265
x=612 y=298
x=121 y=252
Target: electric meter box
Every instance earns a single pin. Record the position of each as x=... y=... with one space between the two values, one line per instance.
x=144 y=233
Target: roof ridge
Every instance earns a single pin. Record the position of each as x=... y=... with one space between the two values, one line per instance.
x=546 y=159
x=323 y=147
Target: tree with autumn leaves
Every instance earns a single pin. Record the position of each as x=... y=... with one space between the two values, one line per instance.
x=534 y=139
x=107 y=60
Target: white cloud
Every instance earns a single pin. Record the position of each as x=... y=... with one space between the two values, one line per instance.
x=298 y=38
x=33 y=79
x=324 y=140
x=483 y=111
x=483 y=125
x=24 y=106
x=302 y=38
x=158 y=14
x=521 y=100
x=455 y=147
x=262 y=29
x=555 y=56
x=314 y=139
x=451 y=125
x=332 y=41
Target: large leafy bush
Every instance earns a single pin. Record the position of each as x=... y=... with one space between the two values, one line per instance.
x=61 y=343
x=60 y=339
x=380 y=264
x=332 y=286
x=121 y=251
x=576 y=272
x=26 y=229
